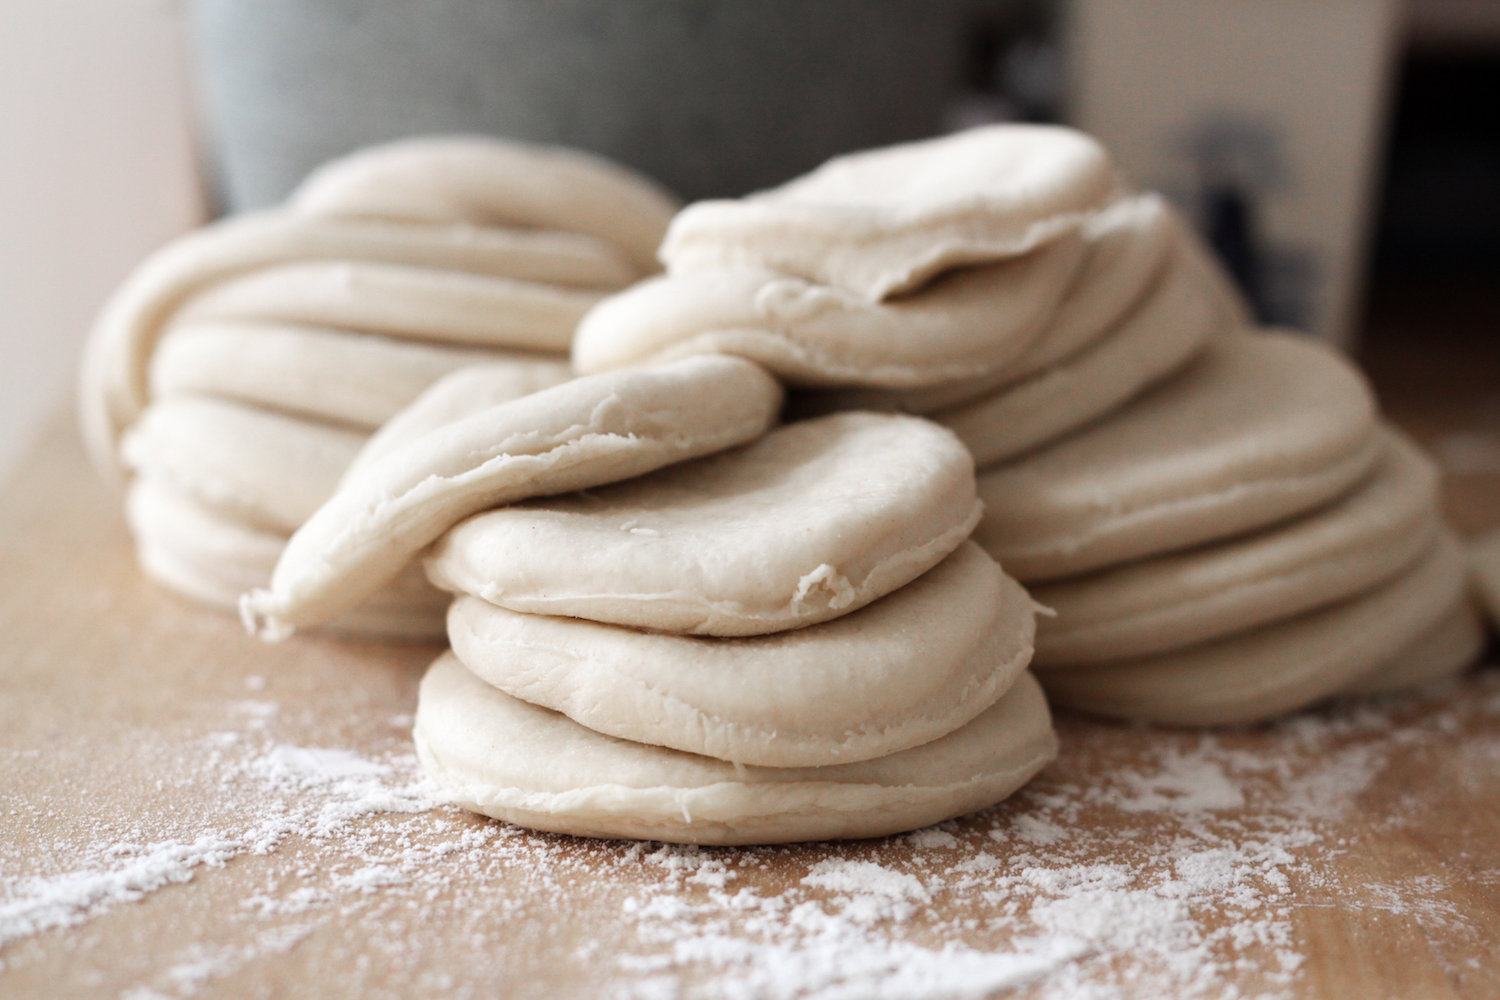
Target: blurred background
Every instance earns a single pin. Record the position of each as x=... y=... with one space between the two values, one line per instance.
x=1343 y=156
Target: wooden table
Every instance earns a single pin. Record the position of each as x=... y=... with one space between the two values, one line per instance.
x=186 y=812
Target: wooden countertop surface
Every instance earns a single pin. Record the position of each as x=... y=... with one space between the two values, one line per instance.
x=185 y=812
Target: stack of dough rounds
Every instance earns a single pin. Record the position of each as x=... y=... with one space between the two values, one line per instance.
x=789 y=640
x=235 y=375
x=1213 y=513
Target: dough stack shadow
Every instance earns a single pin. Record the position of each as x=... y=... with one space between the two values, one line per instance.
x=230 y=381
x=674 y=620
x=1221 y=526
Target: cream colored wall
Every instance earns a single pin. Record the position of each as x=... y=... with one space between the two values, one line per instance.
x=96 y=168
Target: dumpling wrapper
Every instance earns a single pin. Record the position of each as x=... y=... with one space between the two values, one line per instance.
x=498 y=755
x=579 y=434
x=809 y=523
x=1260 y=428
x=885 y=221
x=1167 y=602
x=1278 y=668
x=902 y=671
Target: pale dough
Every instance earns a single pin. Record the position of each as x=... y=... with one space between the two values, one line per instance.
x=500 y=756
x=489 y=182
x=356 y=379
x=810 y=522
x=114 y=388
x=267 y=469
x=1175 y=600
x=884 y=221
x=1276 y=668
x=1158 y=337
x=457 y=396
x=1449 y=647
x=1484 y=554
x=1259 y=428
x=963 y=325
x=213 y=559
x=904 y=670
x=582 y=433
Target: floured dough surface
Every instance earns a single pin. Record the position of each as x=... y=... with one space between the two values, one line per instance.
x=213 y=559
x=882 y=222
x=965 y=324
x=811 y=522
x=1178 y=599
x=904 y=670
x=502 y=757
x=1260 y=427
x=579 y=434
x=1277 y=668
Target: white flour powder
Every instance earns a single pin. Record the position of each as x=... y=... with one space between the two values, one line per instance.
x=1171 y=862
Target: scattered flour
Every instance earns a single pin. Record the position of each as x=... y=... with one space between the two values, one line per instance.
x=1160 y=862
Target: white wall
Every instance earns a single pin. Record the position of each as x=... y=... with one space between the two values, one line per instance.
x=96 y=169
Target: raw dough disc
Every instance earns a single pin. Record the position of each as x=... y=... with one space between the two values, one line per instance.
x=965 y=324
x=1182 y=598
x=455 y=397
x=1259 y=428
x=905 y=670
x=1165 y=330
x=500 y=756
x=1278 y=668
x=480 y=180
x=357 y=379
x=268 y=469
x=884 y=221
x=809 y=523
x=1484 y=554
x=579 y=434
x=213 y=559
x=1449 y=647
x=1126 y=248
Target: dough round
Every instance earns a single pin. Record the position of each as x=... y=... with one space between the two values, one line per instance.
x=809 y=523
x=1158 y=337
x=1449 y=647
x=963 y=325
x=213 y=559
x=885 y=221
x=1484 y=554
x=1277 y=668
x=500 y=756
x=1182 y=598
x=905 y=670
x=1259 y=428
x=356 y=379
x=479 y=179
x=582 y=433
x=267 y=469
x=455 y=397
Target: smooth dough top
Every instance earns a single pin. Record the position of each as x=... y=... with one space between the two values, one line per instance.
x=884 y=221
x=964 y=325
x=810 y=522
x=1259 y=428
x=491 y=182
x=502 y=757
x=582 y=433
x=1175 y=600
x=904 y=670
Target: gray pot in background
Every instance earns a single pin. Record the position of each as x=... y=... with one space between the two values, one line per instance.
x=710 y=97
